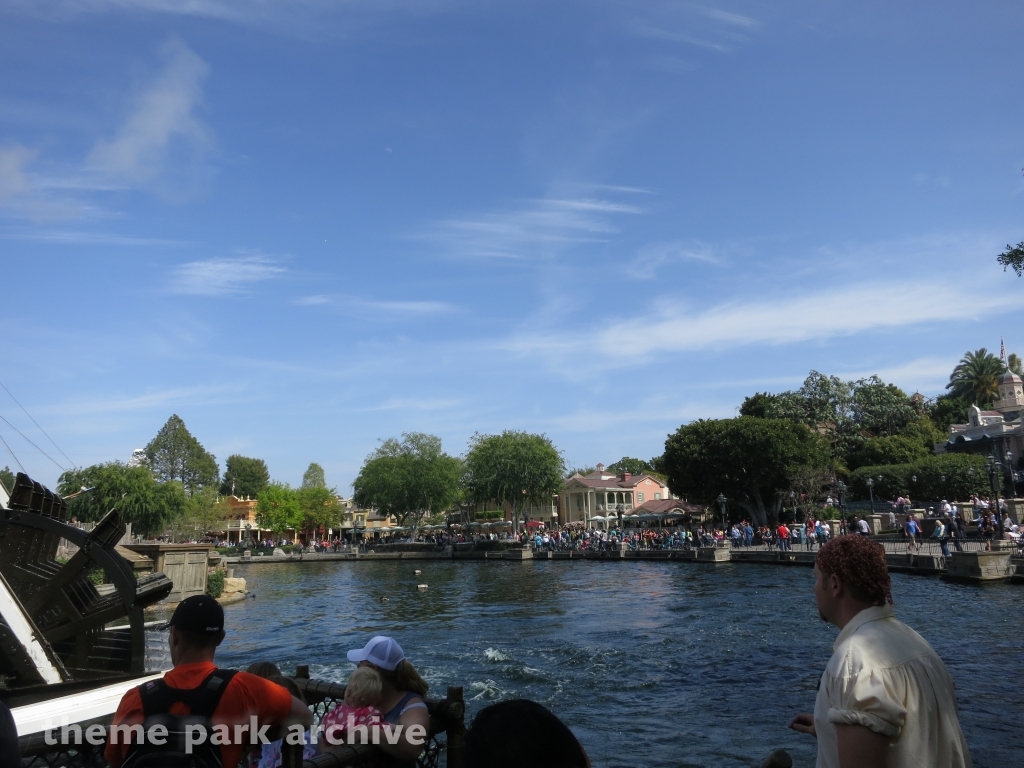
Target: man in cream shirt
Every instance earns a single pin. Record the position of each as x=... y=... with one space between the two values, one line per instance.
x=885 y=699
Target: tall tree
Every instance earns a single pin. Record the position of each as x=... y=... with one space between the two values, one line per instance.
x=948 y=409
x=314 y=477
x=410 y=478
x=846 y=413
x=198 y=516
x=1013 y=362
x=174 y=454
x=517 y=468
x=748 y=459
x=976 y=378
x=7 y=477
x=321 y=507
x=244 y=476
x=133 y=491
x=278 y=508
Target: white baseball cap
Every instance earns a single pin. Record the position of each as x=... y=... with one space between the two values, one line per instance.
x=381 y=651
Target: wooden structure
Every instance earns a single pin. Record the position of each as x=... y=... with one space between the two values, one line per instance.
x=54 y=618
x=184 y=564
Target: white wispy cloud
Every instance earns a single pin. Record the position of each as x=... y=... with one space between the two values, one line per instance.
x=303 y=17
x=23 y=195
x=14 y=182
x=784 y=320
x=701 y=26
x=652 y=257
x=222 y=276
x=376 y=307
x=539 y=229
x=729 y=18
x=162 y=143
x=160 y=399
x=91 y=238
x=414 y=404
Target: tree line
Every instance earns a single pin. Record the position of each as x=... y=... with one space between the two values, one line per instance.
x=798 y=444
x=178 y=487
x=414 y=479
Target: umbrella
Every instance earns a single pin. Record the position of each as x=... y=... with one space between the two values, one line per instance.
x=598 y=517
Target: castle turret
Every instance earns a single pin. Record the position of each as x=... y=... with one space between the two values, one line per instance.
x=1011 y=393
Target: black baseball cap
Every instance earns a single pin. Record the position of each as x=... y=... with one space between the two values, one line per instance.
x=199 y=613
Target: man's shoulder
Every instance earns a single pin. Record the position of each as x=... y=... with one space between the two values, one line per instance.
x=881 y=644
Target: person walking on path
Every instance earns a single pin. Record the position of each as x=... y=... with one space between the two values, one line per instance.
x=911 y=528
x=783 y=532
x=940 y=534
x=885 y=697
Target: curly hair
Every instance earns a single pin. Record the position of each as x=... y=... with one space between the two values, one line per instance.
x=858 y=562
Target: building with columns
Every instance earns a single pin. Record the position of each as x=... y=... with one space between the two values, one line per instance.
x=600 y=492
x=999 y=430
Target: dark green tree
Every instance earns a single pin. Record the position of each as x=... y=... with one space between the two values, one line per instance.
x=517 y=468
x=7 y=477
x=633 y=466
x=174 y=454
x=945 y=476
x=946 y=410
x=748 y=459
x=133 y=491
x=1013 y=257
x=846 y=413
x=409 y=478
x=976 y=378
x=881 y=409
x=888 y=450
x=245 y=475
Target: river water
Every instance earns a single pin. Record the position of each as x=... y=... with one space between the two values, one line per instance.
x=650 y=664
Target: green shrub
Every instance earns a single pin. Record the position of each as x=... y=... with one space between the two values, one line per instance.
x=215 y=584
x=897 y=479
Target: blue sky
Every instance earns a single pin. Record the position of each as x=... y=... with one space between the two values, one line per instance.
x=307 y=226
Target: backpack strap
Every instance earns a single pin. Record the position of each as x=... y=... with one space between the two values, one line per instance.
x=158 y=697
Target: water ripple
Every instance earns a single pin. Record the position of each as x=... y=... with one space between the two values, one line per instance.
x=654 y=664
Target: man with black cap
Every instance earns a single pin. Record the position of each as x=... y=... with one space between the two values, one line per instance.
x=195 y=683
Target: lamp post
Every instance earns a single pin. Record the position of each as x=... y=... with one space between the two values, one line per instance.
x=721 y=505
x=618 y=511
x=1009 y=475
x=871 y=493
x=995 y=469
x=792 y=501
x=248 y=536
x=841 y=492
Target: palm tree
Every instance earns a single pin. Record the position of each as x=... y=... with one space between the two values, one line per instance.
x=976 y=377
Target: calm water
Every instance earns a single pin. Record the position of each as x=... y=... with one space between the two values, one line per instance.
x=650 y=664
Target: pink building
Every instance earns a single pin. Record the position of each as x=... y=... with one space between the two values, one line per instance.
x=600 y=493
